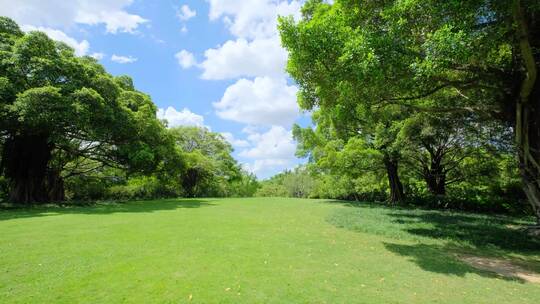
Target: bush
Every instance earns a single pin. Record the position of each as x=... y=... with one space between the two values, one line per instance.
x=272 y=190
x=87 y=188
x=143 y=187
x=473 y=201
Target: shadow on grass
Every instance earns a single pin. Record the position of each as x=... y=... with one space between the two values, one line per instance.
x=476 y=230
x=103 y=208
x=439 y=236
x=437 y=258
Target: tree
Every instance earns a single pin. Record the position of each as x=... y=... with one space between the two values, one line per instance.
x=244 y=186
x=210 y=167
x=369 y=147
x=63 y=114
x=299 y=183
x=349 y=168
x=439 y=147
x=476 y=57
x=295 y=183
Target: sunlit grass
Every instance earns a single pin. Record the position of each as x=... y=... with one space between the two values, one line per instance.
x=246 y=251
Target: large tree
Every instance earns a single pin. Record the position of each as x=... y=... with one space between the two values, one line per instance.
x=62 y=113
x=440 y=148
x=455 y=56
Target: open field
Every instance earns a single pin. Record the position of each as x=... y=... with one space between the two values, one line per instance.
x=258 y=250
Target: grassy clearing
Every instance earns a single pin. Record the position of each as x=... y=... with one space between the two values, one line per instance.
x=254 y=251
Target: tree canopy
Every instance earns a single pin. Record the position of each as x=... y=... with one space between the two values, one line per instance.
x=61 y=111
x=477 y=60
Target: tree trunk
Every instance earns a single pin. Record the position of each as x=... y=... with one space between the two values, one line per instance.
x=528 y=144
x=55 y=186
x=531 y=187
x=435 y=177
x=436 y=185
x=527 y=129
x=25 y=160
x=396 y=188
x=189 y=182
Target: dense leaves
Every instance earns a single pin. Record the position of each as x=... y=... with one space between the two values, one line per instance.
x=427 y=91
x=67 y=123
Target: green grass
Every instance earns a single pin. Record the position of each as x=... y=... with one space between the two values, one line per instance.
x=255 y=251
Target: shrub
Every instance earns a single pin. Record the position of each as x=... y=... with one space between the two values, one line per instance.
x=272 y=190
x=142 y=187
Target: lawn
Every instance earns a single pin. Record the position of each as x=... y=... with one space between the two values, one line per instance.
x=257 y=251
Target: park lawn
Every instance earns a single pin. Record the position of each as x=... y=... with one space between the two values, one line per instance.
x=256 y=250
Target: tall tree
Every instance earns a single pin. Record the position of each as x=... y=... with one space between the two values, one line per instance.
x=57 y=108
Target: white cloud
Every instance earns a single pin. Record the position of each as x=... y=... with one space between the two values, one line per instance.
x=276 y=143
x=184 y=29
x=270 y=152
x=180 y=118
x=81 y=48
x=62 y=13
x=262 y=101
x=264 y=168
x=97 y=56
x=240 y=58
x=123 y=59
x=115 y=21
x=254 y=18
x=185 y=13
x=266 y=100
x=240 y=143
x=185 y=59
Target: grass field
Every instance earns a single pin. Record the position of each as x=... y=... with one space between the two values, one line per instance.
x=257 y=251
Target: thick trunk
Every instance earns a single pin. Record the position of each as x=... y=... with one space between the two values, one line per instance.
x=527 y=127
x=25 y=159
x=530 y=177
x=396 y=188
x=528 y=144
x=436 y=185
x=435 y=177
x=189 y=182
x=55 y=187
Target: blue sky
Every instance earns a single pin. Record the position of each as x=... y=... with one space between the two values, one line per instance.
x=213 y=63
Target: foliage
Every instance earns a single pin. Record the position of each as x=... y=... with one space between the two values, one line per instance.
x=4 y=188
x=92 y=186
x=211 y=170
x=270 y=189
x=244 y=186
x=64 y=115
x=201 y=165
x=297 y=183
x=432 y=99
x=70 y=130
x=142 y=187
